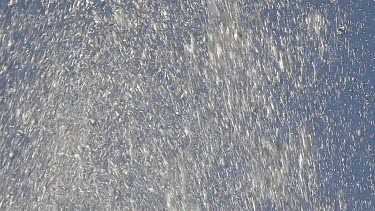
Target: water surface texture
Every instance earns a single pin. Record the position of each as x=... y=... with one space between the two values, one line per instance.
x=187 y=105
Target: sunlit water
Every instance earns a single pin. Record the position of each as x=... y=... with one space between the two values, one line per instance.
x=181 y=105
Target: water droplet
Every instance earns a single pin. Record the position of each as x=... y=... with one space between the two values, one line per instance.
x=12 y=155
x=341 y=30
x=20 y=133
x=359 y=133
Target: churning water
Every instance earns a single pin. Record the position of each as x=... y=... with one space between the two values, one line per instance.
x=186 y=105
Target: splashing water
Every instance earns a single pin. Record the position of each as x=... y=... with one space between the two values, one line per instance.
x=196 y=105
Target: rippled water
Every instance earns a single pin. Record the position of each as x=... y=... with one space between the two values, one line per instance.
x=186 y=105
